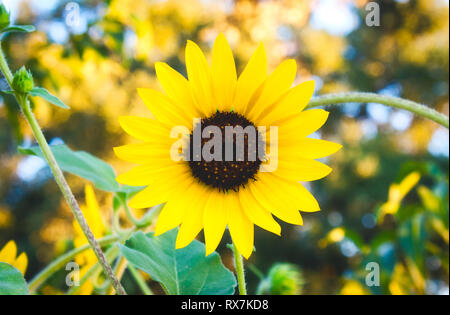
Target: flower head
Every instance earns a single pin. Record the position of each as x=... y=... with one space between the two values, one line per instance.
x=8 y=254
x=23 y=81
x=216 y=179
x=282 y=279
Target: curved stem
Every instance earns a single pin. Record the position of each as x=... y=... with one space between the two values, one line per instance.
x=239 y=264
x=59 y=177
x=139 y=280
x=68 y=195
x=62 y=260
x=396 y=102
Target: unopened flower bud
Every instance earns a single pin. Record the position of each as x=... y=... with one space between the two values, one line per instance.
x=23 y=81
x=282 y=279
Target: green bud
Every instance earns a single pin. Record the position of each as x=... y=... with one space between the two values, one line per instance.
x=282 y=279
x=4 y=17
x=23 y=81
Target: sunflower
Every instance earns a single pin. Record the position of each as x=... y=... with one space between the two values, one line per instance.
x=237 y=193
x=8 y=255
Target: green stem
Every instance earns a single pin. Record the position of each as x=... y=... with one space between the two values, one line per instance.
x=396 y=102
x=59 y=177
x=62 y=260
x=110 y=255
x=130 y=216
x=239 y=264
x=139 y=280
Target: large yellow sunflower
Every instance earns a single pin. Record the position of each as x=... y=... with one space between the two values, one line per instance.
x=213 y=194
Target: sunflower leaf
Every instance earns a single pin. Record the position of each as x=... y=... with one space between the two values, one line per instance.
x=180 y=271
x=11 y=281
x=19 y=28
x=82 y=164
x=41 y=92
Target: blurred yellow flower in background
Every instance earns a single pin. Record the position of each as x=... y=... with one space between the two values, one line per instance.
x=8 y=254
x=397 y=192
x=87 y=259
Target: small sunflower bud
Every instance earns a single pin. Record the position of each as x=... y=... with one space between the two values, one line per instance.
x=282 y=279
x=23 y=81
x=4 y=17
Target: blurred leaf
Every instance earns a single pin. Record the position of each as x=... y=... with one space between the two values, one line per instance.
x=180 y=271
x=11 y=281
x=19 y=28
x=412 y=238
x=82 y=164
x=41 y=92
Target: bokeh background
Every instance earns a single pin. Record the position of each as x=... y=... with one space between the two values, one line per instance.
x=95 y=61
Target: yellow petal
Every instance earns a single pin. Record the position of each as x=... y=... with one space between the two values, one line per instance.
x=250 y=79
x=173 y=212
x=146 y=174
x=143 y=153
x=193 y=219
x=294 y=192
x=275 y=203
x=92 y=212
x=164 y=109
x=256 y=212
x=241 y=228
x=224 y=76
x=157 y=193
x=303 y=124
x=21 y=263
x=303 y=170
x=278 y=83
x=408 y=183
x=8 y=253
x=292 y=103
x=307 y=148
x=199 y=74
x=214 y=220
x=144 y=128
x=177 y=88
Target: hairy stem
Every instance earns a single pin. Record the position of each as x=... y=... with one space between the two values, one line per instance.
x=396 y=102
x=111 y=254
x=239 y=264
x=59 y=177
x=62 y=260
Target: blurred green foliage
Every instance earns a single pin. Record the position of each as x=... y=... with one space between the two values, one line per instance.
x=95 y=68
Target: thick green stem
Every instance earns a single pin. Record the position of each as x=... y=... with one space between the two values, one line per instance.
x=62 y=260
x=396 y=102
x=59 y=177
x=239 y=264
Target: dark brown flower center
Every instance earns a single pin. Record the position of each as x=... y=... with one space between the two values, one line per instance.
x=227 y=169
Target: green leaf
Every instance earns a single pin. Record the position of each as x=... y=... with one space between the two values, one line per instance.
x=39 y=91
x=19 y=28
x=180 y=271
x=82 y=164
x=11 y=281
